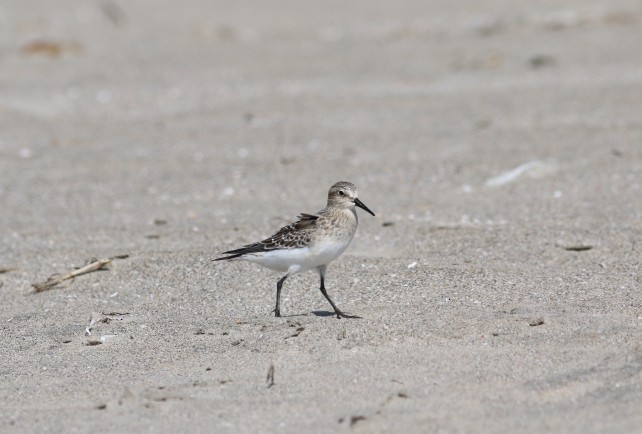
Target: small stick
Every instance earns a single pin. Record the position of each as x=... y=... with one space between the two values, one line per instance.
x=270 y=376
x=98 y=264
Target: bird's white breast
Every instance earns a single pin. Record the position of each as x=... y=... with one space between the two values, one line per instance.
x=327 y=251
x=331 y=237
x=284 y=260
x=300 y=259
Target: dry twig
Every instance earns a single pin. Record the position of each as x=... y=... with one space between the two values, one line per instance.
x=270 y=376
x=98 y=264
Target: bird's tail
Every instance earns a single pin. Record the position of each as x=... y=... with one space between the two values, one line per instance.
x=237 y=253
x=223 y=258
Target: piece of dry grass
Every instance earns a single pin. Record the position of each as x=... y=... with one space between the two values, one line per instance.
x=270 y=376
x=98 y=264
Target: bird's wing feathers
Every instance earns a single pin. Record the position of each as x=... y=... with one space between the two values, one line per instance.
x=294 y=235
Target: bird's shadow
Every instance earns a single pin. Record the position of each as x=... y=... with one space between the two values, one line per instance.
x=315 y=313
x=322 y=313
x=294 y=315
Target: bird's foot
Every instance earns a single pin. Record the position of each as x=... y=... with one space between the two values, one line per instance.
x=344 y=315
x=277 y=313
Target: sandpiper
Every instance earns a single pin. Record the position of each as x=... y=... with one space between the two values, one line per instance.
x=312 y=242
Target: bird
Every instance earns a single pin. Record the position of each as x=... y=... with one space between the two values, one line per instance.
x=312 y=242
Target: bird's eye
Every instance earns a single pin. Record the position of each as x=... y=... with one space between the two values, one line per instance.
x=341 y=193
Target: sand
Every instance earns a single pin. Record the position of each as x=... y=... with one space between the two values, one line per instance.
x=499 y=144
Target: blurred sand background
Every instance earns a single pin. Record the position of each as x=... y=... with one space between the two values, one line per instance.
x=499 y=144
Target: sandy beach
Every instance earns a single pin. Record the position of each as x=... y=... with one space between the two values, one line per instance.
x=499 y=144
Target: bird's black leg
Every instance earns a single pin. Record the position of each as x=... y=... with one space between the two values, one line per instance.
x=325 y=294
x=279 y=284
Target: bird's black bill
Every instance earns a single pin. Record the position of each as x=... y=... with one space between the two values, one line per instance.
x=360 y=204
